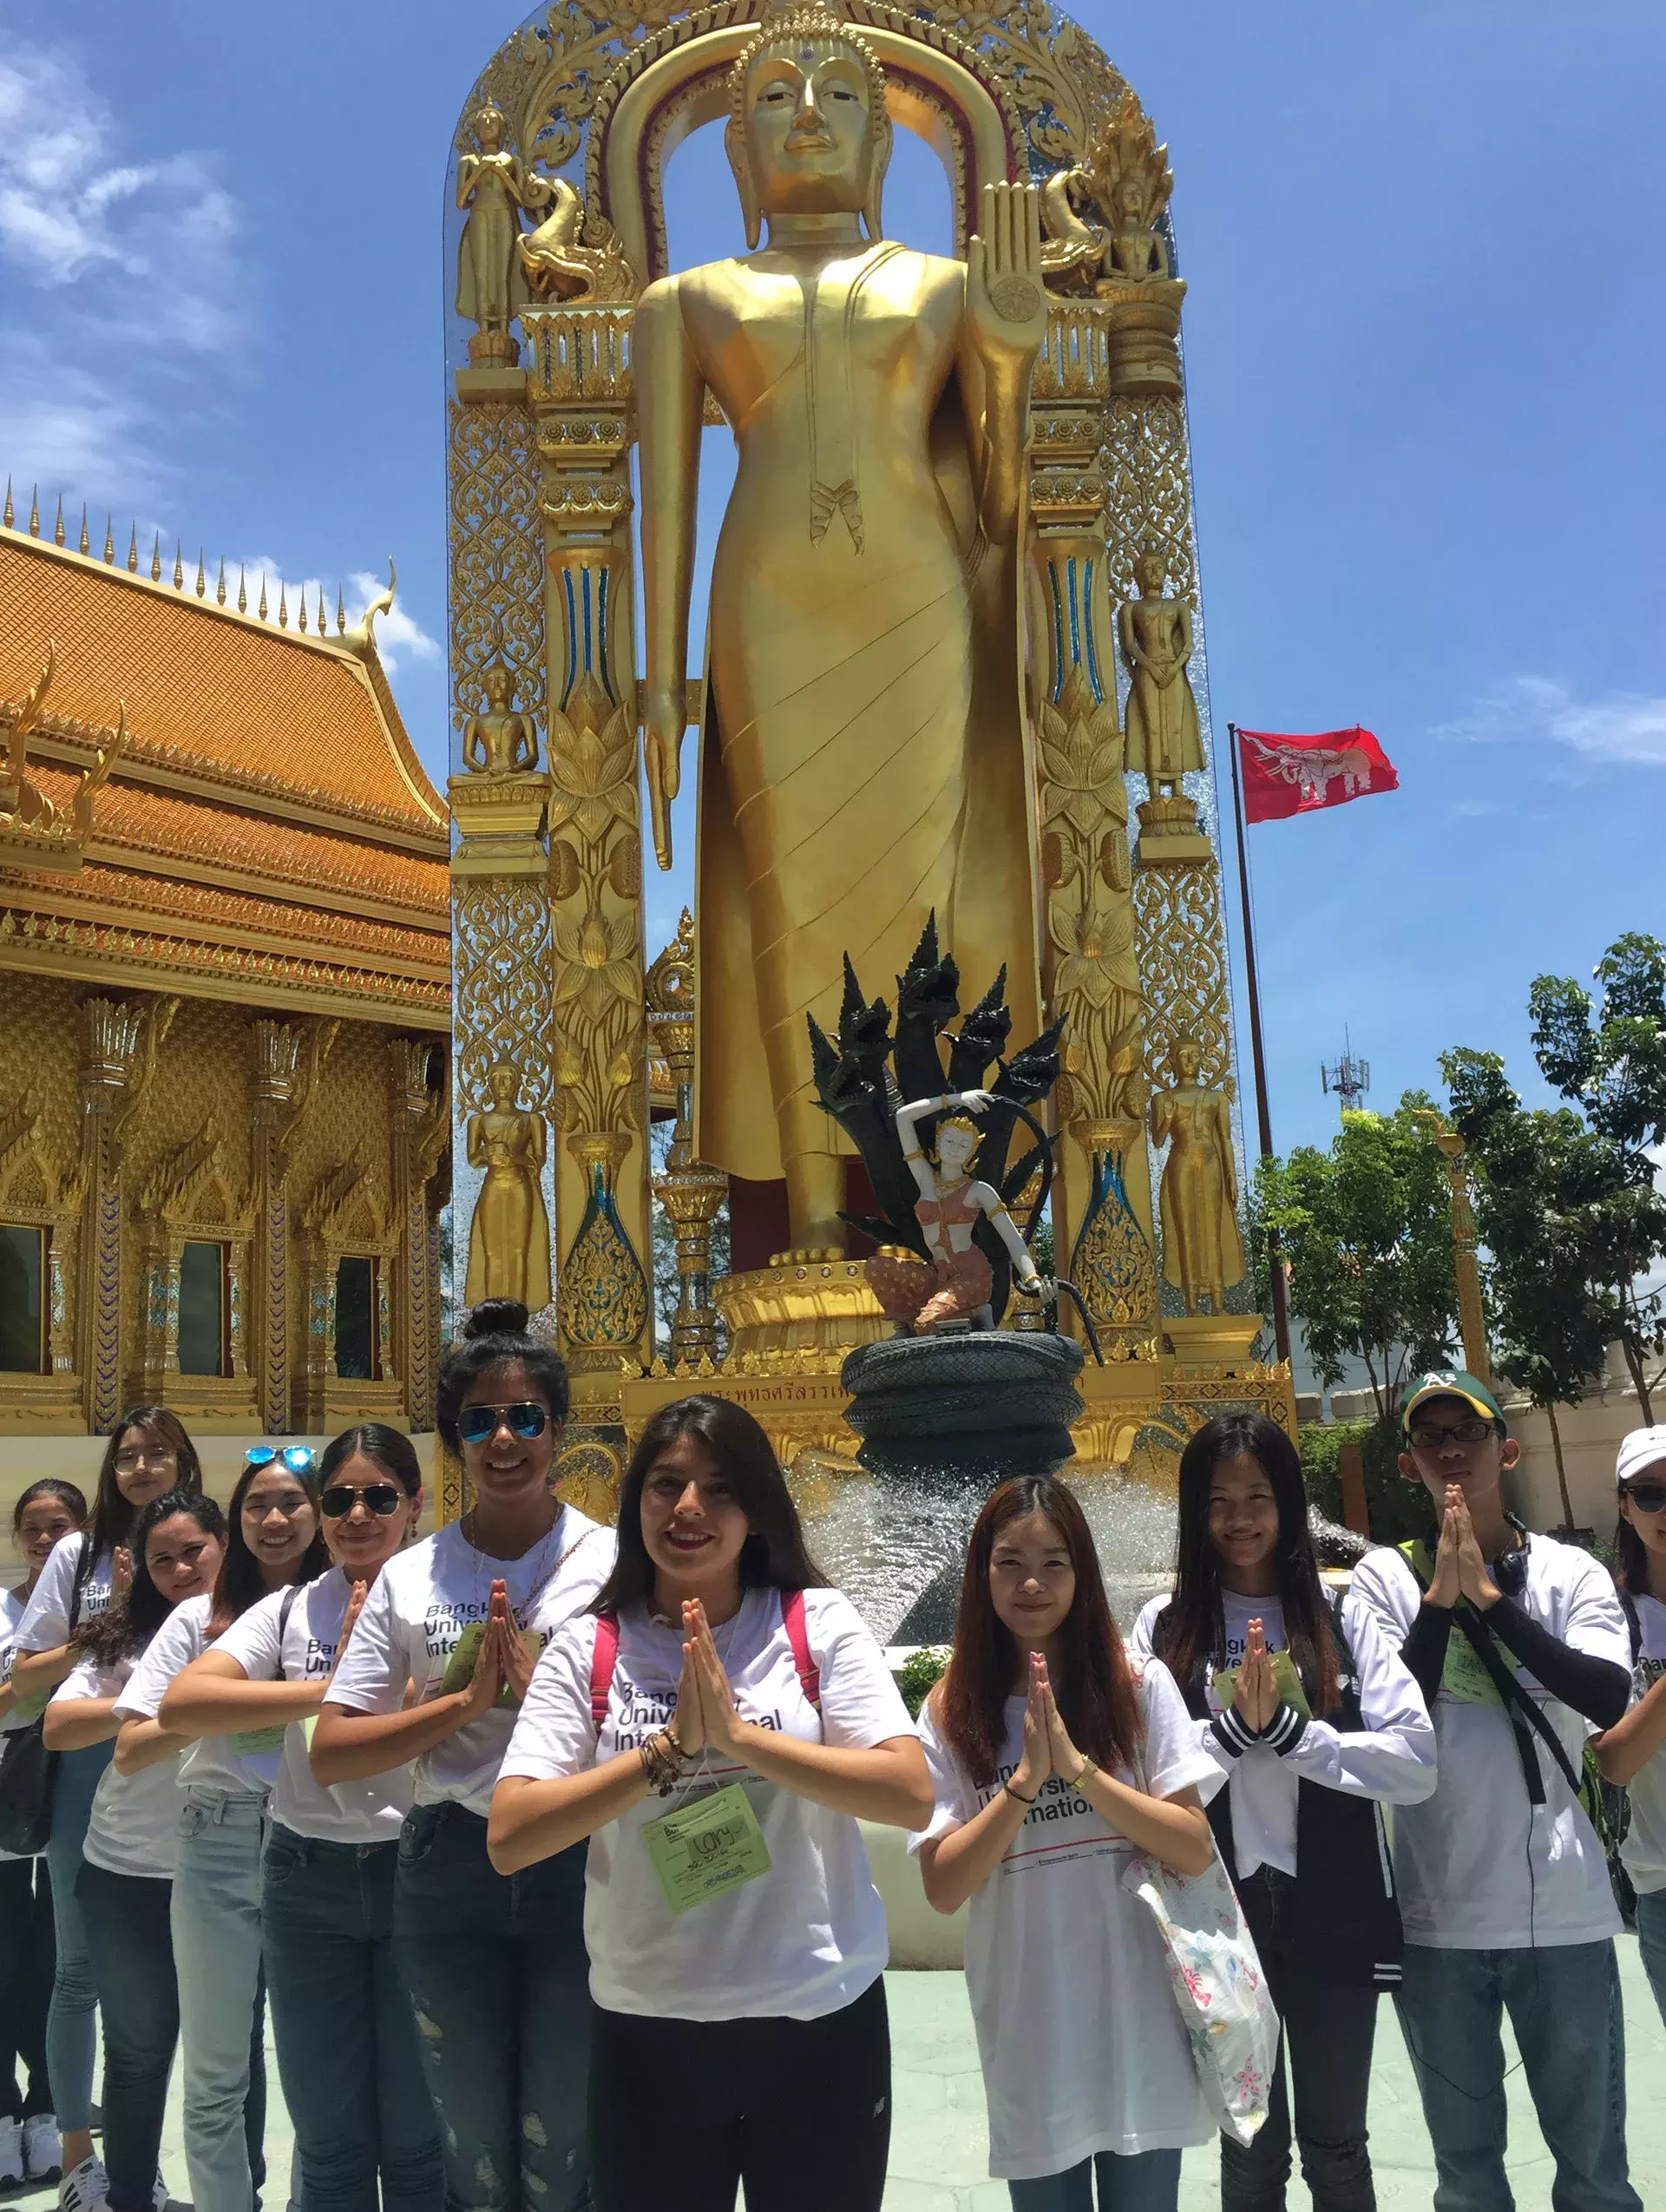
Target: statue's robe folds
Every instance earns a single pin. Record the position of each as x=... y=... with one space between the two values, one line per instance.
x=863 y=760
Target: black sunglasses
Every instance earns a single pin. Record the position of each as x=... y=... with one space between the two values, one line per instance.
x=476 y=1423
x=380 y=1498
x=1647 y=1496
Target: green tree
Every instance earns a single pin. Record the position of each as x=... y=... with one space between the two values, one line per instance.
x=1611 y=1062
x=1366 y=1233
x=1545 y=1187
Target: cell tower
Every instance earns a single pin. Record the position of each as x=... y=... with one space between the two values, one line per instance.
x=1349 y=1079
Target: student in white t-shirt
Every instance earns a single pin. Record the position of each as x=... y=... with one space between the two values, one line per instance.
x=148 y=1452
x=352 y=2075
x=1633 y=1751
x=1312 y=1749
x=1519 y=1646
x=47 y=1512
x=737 y=1969
x=1053 y=1760
x=127 y=1871
x=439 y=1658
x=272 y=1543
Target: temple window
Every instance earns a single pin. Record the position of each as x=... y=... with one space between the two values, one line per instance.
x=22 y=1303
x=205 y=1347
x=355 y=1332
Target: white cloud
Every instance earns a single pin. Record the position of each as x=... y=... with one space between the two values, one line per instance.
x=1620 y=726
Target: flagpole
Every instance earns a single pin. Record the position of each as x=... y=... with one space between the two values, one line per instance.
x=1265 y=1122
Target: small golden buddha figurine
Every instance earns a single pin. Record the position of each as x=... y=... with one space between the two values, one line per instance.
x=1203 y=1253
x=1135 y=252
x=499 y=741
x=861 y=757
x=493 y=188
x=1163 y=739
x=508 y=1238
x=957 y=1283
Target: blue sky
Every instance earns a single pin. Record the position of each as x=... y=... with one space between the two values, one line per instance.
x=1424 y=339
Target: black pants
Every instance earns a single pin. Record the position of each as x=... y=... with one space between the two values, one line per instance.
x=685 y=2110
x=27 y=1961
x=1325 y=2051
x=130 y=1943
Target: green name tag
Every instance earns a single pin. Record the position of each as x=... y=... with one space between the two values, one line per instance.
x=706 y=1849
x=1464 y=1676
x=249 y=1740
x=459 y=1667
x=25 y=1710
x=1286 y=1680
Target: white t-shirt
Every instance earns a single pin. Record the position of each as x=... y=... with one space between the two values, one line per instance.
x=12 y=1608
x=45 y=1624
x=1081 y=2042
x=1478 y=1867
x=801 y=1941
x=369 y=1811
x=418 y=1609
x=213 y=1763
x=1390 y=1759
x=134 y=1828
x=1643 y=1852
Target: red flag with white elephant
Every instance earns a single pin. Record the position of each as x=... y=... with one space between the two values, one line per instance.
x=1288 y=775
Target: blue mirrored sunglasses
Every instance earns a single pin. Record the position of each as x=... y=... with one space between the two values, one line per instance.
x=299 y=1459
x=476 y=1423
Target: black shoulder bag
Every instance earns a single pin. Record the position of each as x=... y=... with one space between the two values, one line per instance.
x=28 y=1772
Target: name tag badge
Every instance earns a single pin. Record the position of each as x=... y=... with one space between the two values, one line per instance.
x=460 y=1667
x=1286 y=1680
x=704 y=1850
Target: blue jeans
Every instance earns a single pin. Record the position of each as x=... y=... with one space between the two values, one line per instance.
x=1651 y=1943
x=1564 y=2002
x=499 y=1981
x=222 y=1997
x=71 y=2035
x=132 y=1951
x=1145 y=2181
x=347 y=2052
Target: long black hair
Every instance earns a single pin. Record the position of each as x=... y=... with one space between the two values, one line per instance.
x=1193 y=1631
x=112 y=1517
x=129 y=1623
x=1630 y=1559
x=774 y=1556
x=241 y=1583
x=494 y=1335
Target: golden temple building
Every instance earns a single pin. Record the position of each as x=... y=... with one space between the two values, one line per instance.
x=224 y=1005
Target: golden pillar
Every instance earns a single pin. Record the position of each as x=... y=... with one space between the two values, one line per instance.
x=691 y=1192
x=1471 y=1316
x=285 y=1061
x=118 y=1066
x=421 y=1126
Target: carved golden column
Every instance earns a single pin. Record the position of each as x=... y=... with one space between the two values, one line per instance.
x=119 y=1064
x=422 y=1129
x=690 y=1191
x=579 y=380
x=1471 y=1316
x=1101 y=1205
x=284 y=1063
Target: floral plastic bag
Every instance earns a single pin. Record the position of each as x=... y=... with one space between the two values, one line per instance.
x=1219 y=1986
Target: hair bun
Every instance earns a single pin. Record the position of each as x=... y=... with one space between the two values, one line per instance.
x=496 y=1317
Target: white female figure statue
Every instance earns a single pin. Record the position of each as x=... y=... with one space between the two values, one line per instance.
x=919 y=1295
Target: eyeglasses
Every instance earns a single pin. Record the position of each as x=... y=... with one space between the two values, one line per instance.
x=1461 y=1432
x=476 y=1423
x=380 y=1498
x=1647 y=1496
x=298 y=1459
x=129 y=1462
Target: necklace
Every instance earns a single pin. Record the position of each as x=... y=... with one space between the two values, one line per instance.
x=541 y=1573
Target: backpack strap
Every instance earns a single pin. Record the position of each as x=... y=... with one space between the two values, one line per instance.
x=603 y=1661
x=284 y=1613
x=810 y=1675
x=1628 y=1607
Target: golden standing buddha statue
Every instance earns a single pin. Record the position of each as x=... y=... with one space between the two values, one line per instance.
x=1203 y=1253
x=508 y=1238
x=862 y=756
x=1164 y=740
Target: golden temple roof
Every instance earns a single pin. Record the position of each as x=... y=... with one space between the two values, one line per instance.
x=266 y=831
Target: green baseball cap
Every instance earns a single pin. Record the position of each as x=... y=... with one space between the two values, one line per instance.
x=1447 y=1382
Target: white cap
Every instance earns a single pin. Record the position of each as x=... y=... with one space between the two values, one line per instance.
x=1643 y=1448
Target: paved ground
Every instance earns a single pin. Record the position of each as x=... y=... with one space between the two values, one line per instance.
x=938 y=2154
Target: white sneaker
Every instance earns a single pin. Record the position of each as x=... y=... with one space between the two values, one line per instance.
x=11 y=2153
x=83 y=2186
x=42 y=2148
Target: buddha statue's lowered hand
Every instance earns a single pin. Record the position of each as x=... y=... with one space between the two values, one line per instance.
x=664 y=716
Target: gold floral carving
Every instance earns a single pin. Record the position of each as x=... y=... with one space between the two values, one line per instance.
x=496 y=557
x=501 y=953
x=1149 y=504
x=1183 y=967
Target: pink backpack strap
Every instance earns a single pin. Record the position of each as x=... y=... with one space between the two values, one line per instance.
x=810 y=1675
x=602 y=1663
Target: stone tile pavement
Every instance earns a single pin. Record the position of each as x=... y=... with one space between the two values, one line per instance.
x=940 y=2153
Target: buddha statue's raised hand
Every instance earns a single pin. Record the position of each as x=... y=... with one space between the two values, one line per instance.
x=1005 y=304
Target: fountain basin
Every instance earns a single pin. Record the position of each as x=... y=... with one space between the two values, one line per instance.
x=978 y=1407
